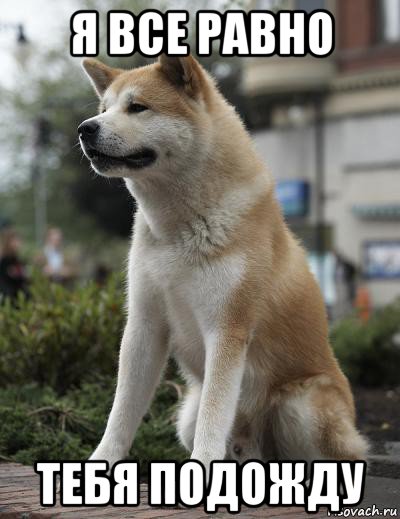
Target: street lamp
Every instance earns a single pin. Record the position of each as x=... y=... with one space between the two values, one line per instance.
x=21 y=38
x=41 y=133
x=320 y=186
x=18 y=28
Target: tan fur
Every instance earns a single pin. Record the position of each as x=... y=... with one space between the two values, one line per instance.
x=294 y=399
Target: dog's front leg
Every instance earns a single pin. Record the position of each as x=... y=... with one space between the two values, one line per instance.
x=225 y=361
x=142 y=357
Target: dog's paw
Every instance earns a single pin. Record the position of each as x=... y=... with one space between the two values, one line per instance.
x=107 y=453
x=206 y=456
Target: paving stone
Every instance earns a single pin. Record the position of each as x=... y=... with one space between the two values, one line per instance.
x=19 y=499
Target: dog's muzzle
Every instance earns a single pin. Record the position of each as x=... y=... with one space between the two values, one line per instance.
x=88 y=132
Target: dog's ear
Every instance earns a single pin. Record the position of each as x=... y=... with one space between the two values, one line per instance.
x=101 y=76
x=184 y=72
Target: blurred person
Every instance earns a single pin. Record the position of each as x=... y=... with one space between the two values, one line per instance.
x=54 y=261
x=346 y=285
x=101 y=274
x=13 y=277
x=346 y=272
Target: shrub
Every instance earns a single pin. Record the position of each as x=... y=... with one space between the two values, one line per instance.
x=39 y=425
x=58 y=357
x=61 y=337
x=58 y=365
x=369 y=352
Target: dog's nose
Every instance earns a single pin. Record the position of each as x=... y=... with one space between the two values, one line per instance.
x=88 y=129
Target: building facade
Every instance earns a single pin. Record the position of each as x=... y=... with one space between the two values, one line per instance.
x=332 y=125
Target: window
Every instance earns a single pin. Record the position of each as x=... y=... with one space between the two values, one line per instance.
x=310 y=5
x=273 y=5
x=389 y=17
x=305 y=5
x=381 y=260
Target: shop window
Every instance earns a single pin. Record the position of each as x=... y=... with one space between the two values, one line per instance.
x=273 y=5
x=310 y=5
x=389 y=21
x=304 y=5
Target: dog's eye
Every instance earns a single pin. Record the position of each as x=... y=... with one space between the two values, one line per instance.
x=135 y=108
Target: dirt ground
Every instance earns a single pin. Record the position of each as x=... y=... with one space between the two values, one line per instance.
x=378 y=413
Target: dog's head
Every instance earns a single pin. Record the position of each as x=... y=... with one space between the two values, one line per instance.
x=152 y=119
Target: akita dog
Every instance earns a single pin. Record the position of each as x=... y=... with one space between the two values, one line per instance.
x=216 y=278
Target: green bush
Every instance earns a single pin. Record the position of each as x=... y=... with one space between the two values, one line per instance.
x=61 y=337
x=39 y=425
x=58 y=365
x=369 y=353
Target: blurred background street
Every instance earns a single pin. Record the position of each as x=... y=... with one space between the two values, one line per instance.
x=329 y=131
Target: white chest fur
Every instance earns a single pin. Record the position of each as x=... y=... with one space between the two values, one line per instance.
x=195 y=296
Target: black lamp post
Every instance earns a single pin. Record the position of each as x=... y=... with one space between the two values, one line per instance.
x=320 y=237
x=40 y=141
x=18 y=28
x=21 y=37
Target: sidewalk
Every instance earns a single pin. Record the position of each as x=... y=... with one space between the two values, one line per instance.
x=19 y=498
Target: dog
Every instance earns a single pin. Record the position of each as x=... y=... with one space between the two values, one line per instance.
x=215 y=279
